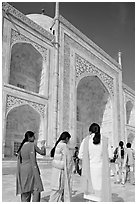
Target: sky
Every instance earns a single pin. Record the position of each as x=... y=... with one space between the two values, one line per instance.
x=110 y=25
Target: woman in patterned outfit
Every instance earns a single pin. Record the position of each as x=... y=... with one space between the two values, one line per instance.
x=61 y=170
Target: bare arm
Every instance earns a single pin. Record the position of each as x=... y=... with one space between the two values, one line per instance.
x=80 y=154
x=41 y=151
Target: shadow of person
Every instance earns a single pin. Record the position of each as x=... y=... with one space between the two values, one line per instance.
x=116 y=198
x=78 y=198
x=45 y=199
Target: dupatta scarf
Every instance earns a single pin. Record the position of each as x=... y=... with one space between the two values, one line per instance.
x=61 y=179
x=86 y=174
x=68 y=165
x=86 y=178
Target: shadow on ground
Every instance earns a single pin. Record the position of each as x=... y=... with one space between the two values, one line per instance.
x=45 y=199
x=79 y=198
x=76 y=198
x=116 y=198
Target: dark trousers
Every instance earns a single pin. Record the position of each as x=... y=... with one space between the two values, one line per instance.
x=77 y=169
x=76 y=163
x=26 y=197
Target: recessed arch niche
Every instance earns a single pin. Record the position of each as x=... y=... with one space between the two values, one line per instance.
x=129 y=107
x=93 y=105
x=19 y=120
x=26 y=67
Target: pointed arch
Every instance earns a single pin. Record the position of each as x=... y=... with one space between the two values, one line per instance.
x=26 y=67
x=93 y=105
x=19 y=120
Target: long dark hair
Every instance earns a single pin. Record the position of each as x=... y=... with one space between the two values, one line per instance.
x=63 y=136
x=95 y=128
x=121 y=144
x=27 y=135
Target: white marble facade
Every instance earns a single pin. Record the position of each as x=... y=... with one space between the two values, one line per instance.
x=50 y=89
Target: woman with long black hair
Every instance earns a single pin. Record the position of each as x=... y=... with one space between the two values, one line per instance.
x=95 y=166
x=28 y=180
x=120 y=155
x=61 y=170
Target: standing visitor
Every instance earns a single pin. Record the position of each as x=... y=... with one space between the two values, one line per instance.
x=76 y=162
x=111 y=160
x=61 y=170
x=28 y=180
x=130 y=163
x=120 y=156
x=95 y=166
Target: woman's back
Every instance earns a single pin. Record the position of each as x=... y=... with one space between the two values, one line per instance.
x=26 y=150
x=60 y=150
x=95 y=152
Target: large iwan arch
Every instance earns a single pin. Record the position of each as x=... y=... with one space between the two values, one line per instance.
x=93 y=105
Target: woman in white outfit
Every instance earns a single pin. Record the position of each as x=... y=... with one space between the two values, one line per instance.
x=95 y=166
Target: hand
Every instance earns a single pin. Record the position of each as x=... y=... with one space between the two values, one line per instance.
x=16 y=154
x=43 y=142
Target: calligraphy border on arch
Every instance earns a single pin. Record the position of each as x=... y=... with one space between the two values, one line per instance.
x=13 y=101
x=83 y=66
x=17 y=37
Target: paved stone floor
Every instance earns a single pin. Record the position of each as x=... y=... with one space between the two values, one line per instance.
x=119 y=193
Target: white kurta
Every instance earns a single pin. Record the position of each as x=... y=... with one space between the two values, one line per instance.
x=95 y=155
